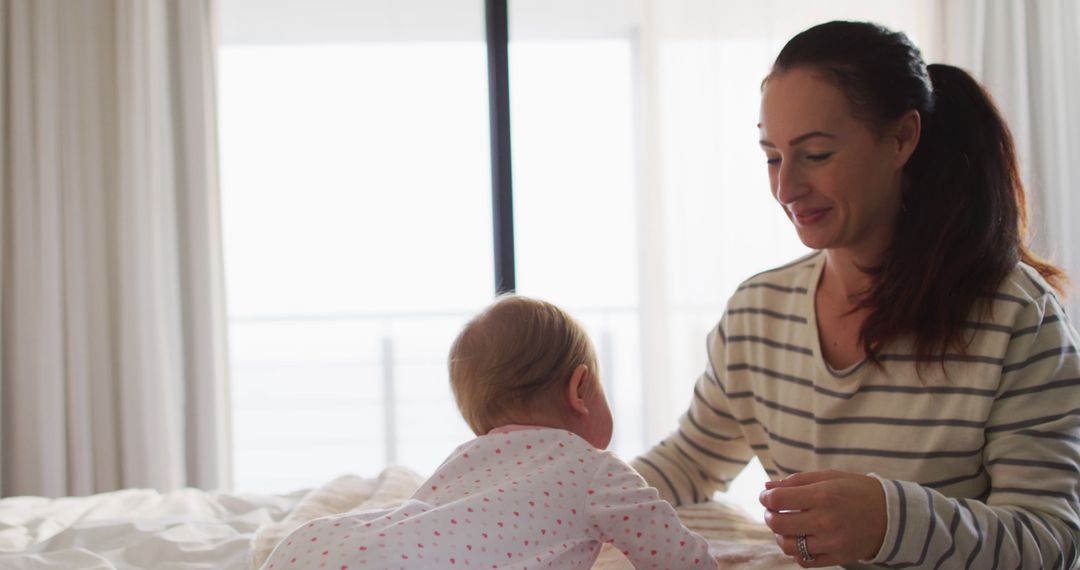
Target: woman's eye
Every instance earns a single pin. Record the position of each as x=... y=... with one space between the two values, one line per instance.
x=772 y=161
x=818 y=157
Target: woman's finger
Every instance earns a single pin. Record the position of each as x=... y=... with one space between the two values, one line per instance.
x=788 y=498
x=790 y=546
x=805 y=478
x=792 y=523
x=786 y=545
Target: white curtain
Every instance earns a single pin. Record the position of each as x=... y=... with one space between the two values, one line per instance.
x=112 y=318
x=1027 y=53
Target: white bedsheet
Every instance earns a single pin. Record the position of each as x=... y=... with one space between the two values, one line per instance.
x=191 y=529
x=136 y=528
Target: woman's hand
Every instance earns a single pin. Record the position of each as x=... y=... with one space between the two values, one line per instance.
x=842 y=515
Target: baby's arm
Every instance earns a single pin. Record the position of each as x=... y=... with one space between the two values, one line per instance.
x=625 y=511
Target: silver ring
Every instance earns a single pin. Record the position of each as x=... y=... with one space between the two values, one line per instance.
x=804 y=553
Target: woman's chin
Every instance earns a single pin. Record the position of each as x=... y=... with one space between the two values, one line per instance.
x=812 y=239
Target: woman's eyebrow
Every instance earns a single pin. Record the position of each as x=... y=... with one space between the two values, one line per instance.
x=800 y=139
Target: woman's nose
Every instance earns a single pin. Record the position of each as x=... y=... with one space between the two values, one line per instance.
x=789 y=185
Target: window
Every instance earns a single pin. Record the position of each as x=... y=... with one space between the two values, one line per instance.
x=358 y=226
x=573 y=121
x=356 y=189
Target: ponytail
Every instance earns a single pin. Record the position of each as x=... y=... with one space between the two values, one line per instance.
x=962 y=225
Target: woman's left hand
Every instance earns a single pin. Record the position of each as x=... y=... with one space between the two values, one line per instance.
x=842 y=516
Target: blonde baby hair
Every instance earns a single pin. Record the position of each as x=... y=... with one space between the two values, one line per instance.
x=515 y=356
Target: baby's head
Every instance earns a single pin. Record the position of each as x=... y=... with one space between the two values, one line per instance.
x=525 y=361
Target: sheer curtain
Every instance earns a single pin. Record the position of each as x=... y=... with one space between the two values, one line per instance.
x=112 y=317
x=1027 y=54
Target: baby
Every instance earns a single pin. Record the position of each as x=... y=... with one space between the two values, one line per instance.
x=535 y=489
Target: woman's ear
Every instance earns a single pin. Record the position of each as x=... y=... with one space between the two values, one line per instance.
x=908 y=131
x=575 y=390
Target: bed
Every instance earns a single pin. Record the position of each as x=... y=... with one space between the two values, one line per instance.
x=190 y=529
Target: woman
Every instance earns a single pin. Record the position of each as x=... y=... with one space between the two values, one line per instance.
x=911 y=387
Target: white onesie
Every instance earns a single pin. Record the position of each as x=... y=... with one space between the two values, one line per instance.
x=519 y=497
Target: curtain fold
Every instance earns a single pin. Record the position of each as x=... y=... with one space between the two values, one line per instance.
x=112 y=319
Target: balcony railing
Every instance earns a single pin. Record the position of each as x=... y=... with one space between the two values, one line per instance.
x=373 y=387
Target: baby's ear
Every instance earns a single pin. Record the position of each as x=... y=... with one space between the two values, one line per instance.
x=576 y=388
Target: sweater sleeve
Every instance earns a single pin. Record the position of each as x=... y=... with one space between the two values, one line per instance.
x=625 y=511
x=1030 y=517
x=709 y=448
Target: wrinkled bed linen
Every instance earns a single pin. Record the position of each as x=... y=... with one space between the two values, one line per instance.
x=191 y=529
x=135 y=529
x=735 y=540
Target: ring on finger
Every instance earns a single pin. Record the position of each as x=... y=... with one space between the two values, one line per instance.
x=804 y=552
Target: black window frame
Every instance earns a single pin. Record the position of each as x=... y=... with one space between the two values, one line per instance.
x=502 y=195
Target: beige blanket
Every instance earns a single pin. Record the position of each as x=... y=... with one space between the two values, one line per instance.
x=734 y=539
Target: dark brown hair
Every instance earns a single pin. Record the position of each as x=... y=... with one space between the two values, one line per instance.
x=963 y=223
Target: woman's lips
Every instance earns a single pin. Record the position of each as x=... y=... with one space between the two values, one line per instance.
x=809 y=216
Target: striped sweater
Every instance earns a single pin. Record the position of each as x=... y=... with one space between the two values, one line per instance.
x=979 y=460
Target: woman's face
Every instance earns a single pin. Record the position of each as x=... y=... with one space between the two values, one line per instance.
x=837 y=179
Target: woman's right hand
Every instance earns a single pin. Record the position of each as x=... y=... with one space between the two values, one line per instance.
x=842 y=516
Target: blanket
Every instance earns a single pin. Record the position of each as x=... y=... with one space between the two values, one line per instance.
x=190 y=529
x=734 y=539
x=133 y=529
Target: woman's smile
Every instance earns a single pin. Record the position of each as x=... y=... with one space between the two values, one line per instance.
x=805 y=217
